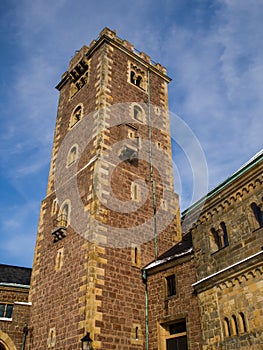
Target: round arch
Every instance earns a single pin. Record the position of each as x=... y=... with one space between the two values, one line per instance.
x=6 y=342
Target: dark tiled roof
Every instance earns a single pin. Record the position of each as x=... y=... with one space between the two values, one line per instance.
x=180 y=248
x=183 y=248
x=15 y=274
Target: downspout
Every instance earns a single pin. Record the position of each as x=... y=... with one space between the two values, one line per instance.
x=144 y=278
x=25 y=331
x=151 y=167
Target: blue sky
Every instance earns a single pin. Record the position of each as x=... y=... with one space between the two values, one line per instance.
x=213 y=51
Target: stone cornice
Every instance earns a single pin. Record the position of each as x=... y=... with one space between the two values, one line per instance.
x=223 y=197
x=244 y=269
x=169 y=264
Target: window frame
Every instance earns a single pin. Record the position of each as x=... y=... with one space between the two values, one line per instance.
x=6 y=312
x=141 y=112
x=170 y=288
x=72 y=121
x=165 y=332
x=72 y=156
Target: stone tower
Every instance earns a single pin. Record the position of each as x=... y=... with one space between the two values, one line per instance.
x=110 y=207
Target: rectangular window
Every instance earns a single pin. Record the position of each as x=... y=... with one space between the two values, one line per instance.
x=178 y=327
x=177 y=339
x=6 y=310
x=170 y=285
x=177 y=343
x=135 y=192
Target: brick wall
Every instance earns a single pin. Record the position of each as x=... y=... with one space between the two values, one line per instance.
x=165 y=310
x=12 y=329
x=91 y=282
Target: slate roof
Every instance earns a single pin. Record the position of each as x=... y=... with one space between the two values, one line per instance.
x=15 y=274
x=183 y=248
x=180 y=248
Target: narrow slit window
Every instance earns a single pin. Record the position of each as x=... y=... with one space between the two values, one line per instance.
x=139 y=81
x=59 y=259
x=234 y=325
x=54 y=208
x=224 y=238
x=170 y=285
x=132 y=78
x=135 y=192
x=64 y=215
x=136 y=255
x=243 y=322
x=137 y=333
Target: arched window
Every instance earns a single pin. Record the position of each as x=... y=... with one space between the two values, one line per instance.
x=139 y=81
x=214 y=240
x=227 y=327
x=54 y=207
x=242 y=323
x=224 y=238
x=219 y=237
x=132 y=77
x=136 y=79
x=72 y=155
x=61 y=222
x=234 y=325
x=76 y=115
x=257 y=213
x=137 y=113
x=64 y=213
x=137 y=76
x=63 y=219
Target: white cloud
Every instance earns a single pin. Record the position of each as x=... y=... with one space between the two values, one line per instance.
x=219 y=82
x=213 y=52
x=17 y=225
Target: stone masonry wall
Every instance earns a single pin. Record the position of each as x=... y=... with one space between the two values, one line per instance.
x=229 y=277
x=11 y=330
x=89 y=282
x=165 y=310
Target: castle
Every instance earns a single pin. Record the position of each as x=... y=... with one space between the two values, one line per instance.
x=116 y=266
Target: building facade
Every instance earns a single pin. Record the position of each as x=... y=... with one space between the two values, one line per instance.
x=14 y=306
x=174 y=322
x=113 y=262
x=95 y=232
x=228 y=249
